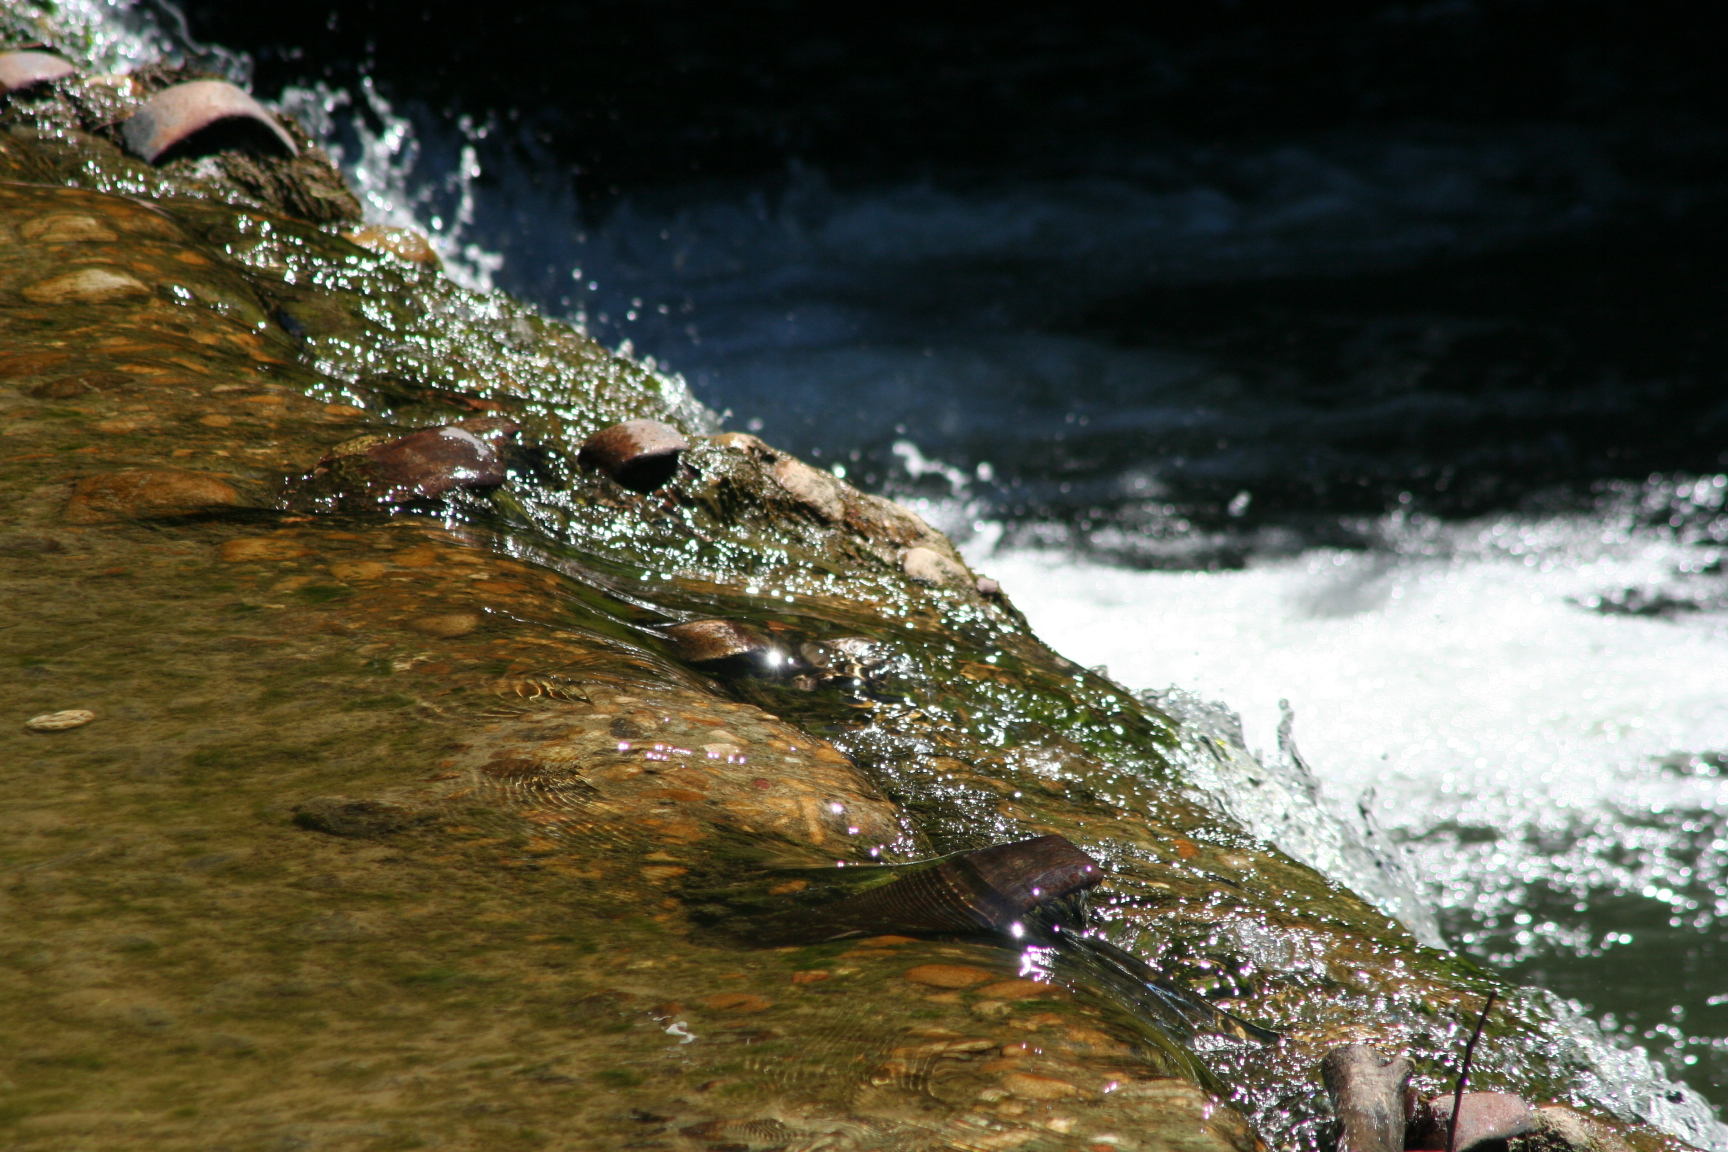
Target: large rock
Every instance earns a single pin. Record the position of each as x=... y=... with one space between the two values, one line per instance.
x=410 y=771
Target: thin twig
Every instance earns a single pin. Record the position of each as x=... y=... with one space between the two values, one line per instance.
x=1464 y=1074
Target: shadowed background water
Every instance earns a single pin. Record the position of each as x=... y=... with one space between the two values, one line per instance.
x=1365 y=355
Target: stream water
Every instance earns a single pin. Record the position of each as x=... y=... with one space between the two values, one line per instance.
x=1413 y=423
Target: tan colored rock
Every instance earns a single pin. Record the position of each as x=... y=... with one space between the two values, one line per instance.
x=67 y=228
x=1016 y=990
x=948 y=975
x=60 y=721
x=928 y=566
x=446 y=625
x=1031 y=1086
x=87 y=286
x=403 y=243
x=815 y=489
x=142 y=495
x=261 y=548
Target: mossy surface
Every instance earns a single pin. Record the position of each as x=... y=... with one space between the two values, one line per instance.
x=382 y=834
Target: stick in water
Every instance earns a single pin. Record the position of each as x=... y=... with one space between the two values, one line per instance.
x=1464 y=1074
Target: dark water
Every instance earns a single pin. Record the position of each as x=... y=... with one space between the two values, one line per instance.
x=1199 y=289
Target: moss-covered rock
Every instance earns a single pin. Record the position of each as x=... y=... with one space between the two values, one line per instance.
x=398 y=799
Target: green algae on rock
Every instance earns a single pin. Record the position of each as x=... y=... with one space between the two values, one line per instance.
x=407 y=802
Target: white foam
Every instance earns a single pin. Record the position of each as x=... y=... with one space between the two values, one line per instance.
x=1462 y=682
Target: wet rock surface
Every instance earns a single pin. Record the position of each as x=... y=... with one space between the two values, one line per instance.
x=413 y=772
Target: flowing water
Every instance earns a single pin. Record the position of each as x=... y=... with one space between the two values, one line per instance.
x=1415 y=427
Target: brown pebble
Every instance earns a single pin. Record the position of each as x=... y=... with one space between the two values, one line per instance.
x=1031 y=1086
x=1483 y=1116
x=707 y=641
x=811 y=976
x=447 y=625
x=403 y=243
x=200 y=117
x=253 y=548
x=358 y=570
x=434 y=461
x=132 y=495
x=948 y=975
x=888 y=941
x=639 y=454
x=87 y=286
x=60 y=721
x=740 y=1003
x=1015 y=990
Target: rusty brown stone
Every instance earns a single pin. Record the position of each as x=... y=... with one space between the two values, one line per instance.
x=200 y=117
x=639 y=454
x=1016 y=990
x=711 y=641
x=20 y=71
x=142 y=495
x=435 y=461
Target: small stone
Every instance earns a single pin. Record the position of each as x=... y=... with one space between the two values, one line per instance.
x=134 y=495
x=67 y=228
x=216 y=420
x=87 y=286
x=60 y=721
x=403 y=243
x=201 y=117
x=27 y=545
x=22 y=70
x=1031 y=1086
x=811 y=487
x=121 y=425
x=435 y=461
x=948 y=975
x=639 y=454
x=988 y=587
x=261 y=548
x=710 y=641
x=738 y=1003
x=446 y=625
x=1016 y=990
x=927 y=566
x=358 y=570
x=811 y=976
x=355 y=819
x=1483 y=1117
